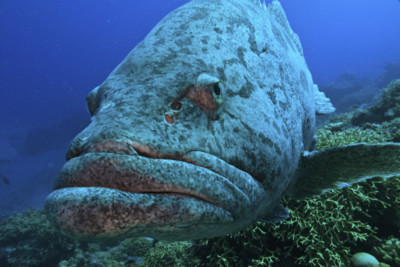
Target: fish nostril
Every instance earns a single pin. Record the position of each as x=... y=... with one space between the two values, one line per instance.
x=176 y=105
x=169 y=118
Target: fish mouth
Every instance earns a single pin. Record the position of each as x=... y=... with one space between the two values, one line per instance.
x=114 y=188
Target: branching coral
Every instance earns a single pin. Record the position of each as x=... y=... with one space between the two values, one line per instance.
x=166 y=254
x=389 y=251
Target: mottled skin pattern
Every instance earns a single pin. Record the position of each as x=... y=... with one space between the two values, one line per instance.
x=132 y=173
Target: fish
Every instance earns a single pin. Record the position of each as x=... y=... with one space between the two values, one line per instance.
x=5 y=179
x=202 y=130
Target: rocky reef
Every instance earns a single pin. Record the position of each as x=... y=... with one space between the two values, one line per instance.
x=386 y=108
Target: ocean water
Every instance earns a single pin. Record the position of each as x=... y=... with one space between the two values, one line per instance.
x=53 y=53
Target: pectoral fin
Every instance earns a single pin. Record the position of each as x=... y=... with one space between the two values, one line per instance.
x=340 y=166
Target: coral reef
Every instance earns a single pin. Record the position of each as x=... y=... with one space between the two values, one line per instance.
x=389 y=251
x=391 y=72
x=129 y=252
x=386 y=108
x=321 y=231
x=28 y=239
x=166 y=254
x=349 y=89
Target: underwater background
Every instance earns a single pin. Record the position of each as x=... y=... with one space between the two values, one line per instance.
x=53 y=53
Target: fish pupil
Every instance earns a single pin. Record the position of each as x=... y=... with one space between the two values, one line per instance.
x=217 y=89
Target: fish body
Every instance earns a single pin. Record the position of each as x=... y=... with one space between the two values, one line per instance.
x=199 y=132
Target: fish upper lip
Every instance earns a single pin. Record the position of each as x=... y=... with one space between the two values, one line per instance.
x=239 y=184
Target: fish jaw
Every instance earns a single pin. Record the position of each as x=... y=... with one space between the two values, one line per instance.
x=102 y=195
x=95 y=213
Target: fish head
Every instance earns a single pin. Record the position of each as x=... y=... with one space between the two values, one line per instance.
x=183 y=144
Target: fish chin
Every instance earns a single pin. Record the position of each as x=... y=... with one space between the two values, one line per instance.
x=102 y=195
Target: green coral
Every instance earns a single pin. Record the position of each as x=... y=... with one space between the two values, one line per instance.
x=327 y=138
x=28 y=239
x=392 y=129
x=129 y=252
x=389 y=251
x=321 y=231
x=170 y=254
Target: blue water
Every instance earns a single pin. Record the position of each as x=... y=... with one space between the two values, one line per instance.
x=53 y=53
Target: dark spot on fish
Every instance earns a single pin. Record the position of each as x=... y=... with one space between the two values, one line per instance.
x=278 y=149
x=222 y=125
x=181 y=77
x=230 y=115
x=221 y=74
x=272 y=96
x=265 y=140
x=236 y=130
x=285 y=132
x=183 y=42
x=277 y=128
x=160 y=41
x=185 y=50
x=242 y=21
x=229 y=29
x=246 y=90
x=248 y=128
x=158 y=31
x=198 y=14
x=253 y=44
x=184 y=26
x=240 y=52
x=230 y=62
x=204 y=49
x=181 y=138
x=230 y=93
x=202 y=142
x=218 y=30
x=284 y=105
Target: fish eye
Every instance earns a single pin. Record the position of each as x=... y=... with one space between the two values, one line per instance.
x=217 y=88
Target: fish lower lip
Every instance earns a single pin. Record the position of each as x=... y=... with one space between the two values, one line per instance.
x=97 y=213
